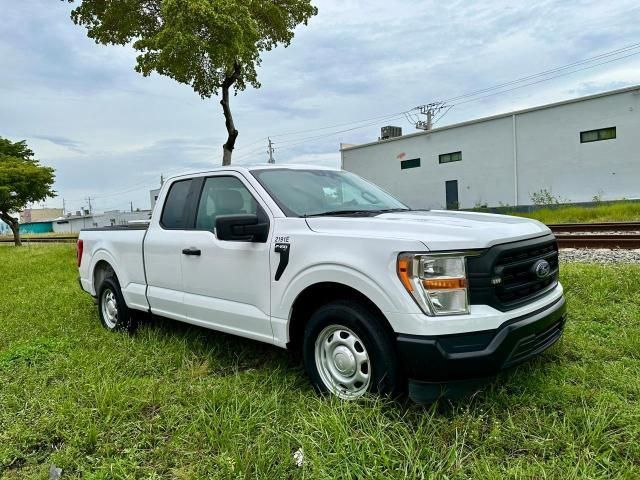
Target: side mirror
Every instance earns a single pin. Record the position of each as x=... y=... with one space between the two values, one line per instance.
x=241 y=228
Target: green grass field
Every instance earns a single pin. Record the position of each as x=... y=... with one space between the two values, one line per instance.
x=613 y=212
x=181 y=402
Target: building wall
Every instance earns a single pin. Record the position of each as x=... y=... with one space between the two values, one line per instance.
x=153 y=197
x=76 y=223
x=36 y=227
x=546 y=154
x=39 y=214
x=550 y=154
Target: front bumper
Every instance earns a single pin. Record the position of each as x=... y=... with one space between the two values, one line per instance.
x=467 y=356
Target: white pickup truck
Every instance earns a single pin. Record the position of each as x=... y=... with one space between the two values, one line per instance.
x=371 y=293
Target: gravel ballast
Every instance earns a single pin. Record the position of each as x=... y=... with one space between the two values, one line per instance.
x=599 y=255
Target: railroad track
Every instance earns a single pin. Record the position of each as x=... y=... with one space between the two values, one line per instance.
x=627 y=242
x=596 y=227
x=42 y=240
x=624 y=235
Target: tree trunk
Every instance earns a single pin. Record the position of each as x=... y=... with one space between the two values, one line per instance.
x=232 y=133
x=14 y=226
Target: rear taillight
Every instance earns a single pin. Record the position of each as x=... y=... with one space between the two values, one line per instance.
x=79 y=248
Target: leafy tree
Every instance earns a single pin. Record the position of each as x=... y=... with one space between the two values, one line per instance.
x=22 y=181
x=211 y=45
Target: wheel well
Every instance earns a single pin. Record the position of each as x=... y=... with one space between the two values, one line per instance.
x=314 y=296
x=100 y=272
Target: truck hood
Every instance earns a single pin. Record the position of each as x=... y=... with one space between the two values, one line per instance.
x=437 y=229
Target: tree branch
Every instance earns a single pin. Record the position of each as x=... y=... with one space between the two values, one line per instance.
x=232 y=133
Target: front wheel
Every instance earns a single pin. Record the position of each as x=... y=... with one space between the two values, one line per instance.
x=348 y=352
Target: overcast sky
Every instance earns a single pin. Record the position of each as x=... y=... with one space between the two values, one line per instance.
x=110 y=133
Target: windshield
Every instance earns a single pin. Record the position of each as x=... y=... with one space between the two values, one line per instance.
x=324 y=192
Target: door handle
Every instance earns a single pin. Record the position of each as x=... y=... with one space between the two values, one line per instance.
x=191 y=251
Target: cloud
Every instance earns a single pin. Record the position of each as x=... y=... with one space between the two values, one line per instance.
x=72 y=145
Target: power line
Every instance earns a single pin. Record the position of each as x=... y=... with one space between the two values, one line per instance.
x=293 y=143
x=380 y=117
x=251 y=144
x=548 y=72
x=547 y=79
x=501 y=87
x=443 y=114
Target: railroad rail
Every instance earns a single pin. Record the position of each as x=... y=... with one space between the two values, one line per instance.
x=627 y=242
x=596 y=227
x=42 y=240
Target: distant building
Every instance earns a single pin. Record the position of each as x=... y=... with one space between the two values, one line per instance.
x=4 y=228
x=75 y=223
x=575 y=150
x=38 y=214
x=153 y=196
x=45 y=226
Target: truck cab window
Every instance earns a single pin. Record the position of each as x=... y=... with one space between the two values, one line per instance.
x=223 y=196
x=173 y=212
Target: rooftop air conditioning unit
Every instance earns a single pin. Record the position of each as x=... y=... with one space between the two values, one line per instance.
x=390 y=132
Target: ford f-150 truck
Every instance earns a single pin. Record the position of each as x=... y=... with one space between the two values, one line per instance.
x=375 y=296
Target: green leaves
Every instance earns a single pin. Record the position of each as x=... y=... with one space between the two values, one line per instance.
x=196 y=42
x=22 y=179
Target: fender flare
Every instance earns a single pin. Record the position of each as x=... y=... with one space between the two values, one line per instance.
x=335 y=273
x=102 y=255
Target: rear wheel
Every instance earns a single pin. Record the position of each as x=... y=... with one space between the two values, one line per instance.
x=114 y=313
x=348 y=352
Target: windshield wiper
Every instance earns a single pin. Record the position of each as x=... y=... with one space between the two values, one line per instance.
x=356 y=212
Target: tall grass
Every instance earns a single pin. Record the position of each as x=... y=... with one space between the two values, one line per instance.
x=614 y=212
x=175 y=401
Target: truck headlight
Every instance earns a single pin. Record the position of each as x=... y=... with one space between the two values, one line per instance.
x=437 y=282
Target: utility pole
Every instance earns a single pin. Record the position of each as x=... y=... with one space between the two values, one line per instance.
x=64 y=208
x=131 y=206
x=90 y=207
x=270 y=150
x=161 y=179
x=429 y=111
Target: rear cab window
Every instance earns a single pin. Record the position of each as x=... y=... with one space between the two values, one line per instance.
x=173 y=214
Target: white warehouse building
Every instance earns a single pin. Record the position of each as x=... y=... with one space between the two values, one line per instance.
x=576 y=150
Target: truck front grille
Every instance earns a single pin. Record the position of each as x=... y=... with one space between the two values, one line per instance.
x=504 y=276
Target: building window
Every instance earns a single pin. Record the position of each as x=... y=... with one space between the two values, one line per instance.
x=450 y=157
x=411 y=163
x=597 y=135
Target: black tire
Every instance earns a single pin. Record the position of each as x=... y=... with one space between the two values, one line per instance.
x=385 y=373
x=124 y=321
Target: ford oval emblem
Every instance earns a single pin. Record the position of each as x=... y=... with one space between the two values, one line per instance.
x=542 y=269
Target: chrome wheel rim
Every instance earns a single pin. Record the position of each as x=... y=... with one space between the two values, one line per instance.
x=342 y=362
x=109 y=308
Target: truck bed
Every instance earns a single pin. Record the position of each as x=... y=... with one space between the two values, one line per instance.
x=135 y=226
x=121 y=247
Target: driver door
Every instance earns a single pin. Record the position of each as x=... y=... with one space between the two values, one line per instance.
x=227 y=283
